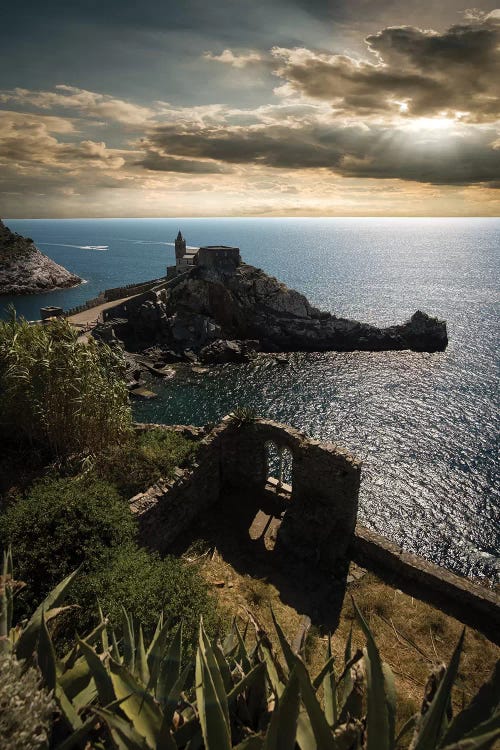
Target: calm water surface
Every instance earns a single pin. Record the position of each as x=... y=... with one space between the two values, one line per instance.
x=425 y=425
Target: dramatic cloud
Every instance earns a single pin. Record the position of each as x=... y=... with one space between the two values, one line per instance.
x=417 y=72
x=28 y=142
x=467 y=156
x=86 y=103
x=406 y=121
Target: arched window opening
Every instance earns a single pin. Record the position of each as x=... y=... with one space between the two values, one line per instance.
x=279 y=463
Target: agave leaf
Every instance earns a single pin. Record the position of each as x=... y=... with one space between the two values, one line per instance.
x=141 y=663
x=158 y=629
x=67 y=709
x=325 y=669
x=251 y=743
x=165 y=741
x=481 y=742
x=330 y=691
x=273 y=668
x=46 y=656
x=86 y=696
x=245 y=683
x=322 y=733
x=115 y=650
x=174 y=695
x=156 y=650
x=124 y=736
x=285 y=646
x=138 y=705
x=26 y=644
x=128 y=640
x=282 y=730
x=488 y=727
x=170 y=667
x=230 y=643
x=6 y=597
x=381 y=694
x=432 y=722
x=104 y=633
x=482 y=706
x=211 y=697
x=407 y=727
x=75 y=679
x=224 y=667
x=78 y=738
x=100 y=674
x=242 y=654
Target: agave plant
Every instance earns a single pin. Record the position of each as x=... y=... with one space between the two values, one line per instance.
x=242 y=415
x=114 y=687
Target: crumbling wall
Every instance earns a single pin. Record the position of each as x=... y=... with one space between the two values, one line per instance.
x=321 y=518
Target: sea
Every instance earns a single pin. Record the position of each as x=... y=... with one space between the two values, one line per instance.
x=425 y=425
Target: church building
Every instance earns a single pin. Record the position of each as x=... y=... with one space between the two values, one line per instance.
x=217 y=257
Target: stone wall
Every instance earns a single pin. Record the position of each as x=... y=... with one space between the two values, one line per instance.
x=218 y=257
x=319 y=526
x=470 y=603
x=325 y=486
x=321 y=518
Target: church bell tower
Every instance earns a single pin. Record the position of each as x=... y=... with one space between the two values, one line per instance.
x=180 y=246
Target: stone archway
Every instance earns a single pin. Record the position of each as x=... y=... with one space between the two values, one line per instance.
x=279 y=459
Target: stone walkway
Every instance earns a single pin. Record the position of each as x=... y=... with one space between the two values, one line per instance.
x=87 y=319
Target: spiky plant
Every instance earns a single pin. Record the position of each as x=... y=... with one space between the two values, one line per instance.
x=140 y=696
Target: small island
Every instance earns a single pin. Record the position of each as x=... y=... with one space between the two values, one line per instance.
x=26 y=270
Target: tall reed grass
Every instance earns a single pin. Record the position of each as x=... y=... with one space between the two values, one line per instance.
x=59 y=393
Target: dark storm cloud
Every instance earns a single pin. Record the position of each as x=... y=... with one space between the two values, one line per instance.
x=430 y=72
x=466 y=156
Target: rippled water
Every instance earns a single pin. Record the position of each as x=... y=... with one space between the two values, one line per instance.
x=425 y=425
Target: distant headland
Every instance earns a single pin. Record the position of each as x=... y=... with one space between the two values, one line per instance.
x=26 y=270
x=212 y=307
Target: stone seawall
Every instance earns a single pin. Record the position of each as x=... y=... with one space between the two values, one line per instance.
x=470 y=603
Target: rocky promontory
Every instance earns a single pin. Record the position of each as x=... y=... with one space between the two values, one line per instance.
x=26 y=270
x=213 y=315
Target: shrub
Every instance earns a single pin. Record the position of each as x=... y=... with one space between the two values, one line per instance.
x=25 y=707
x=59 y=524
x=145 y=458
x=67 y=396
x=145 y=585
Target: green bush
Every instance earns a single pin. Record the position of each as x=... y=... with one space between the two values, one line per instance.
x=145 y=458
x=145 y=585
x=59 y=524
x=56 y=392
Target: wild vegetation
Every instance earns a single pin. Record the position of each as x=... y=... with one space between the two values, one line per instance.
x=117 y=689
x=65 y=415
x=58 y=393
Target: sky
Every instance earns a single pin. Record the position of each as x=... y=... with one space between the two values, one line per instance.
x=119 y=108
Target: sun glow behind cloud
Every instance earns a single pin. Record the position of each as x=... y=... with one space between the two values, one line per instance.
x=410 y=128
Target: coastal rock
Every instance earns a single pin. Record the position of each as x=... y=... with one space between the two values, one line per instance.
x=211 y=313
x=25 y=270
x=221 y=351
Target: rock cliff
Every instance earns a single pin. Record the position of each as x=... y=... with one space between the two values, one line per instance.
x=205 y=309
x=25 y=270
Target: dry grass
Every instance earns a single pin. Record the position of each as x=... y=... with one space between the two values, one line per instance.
x=412 y=636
